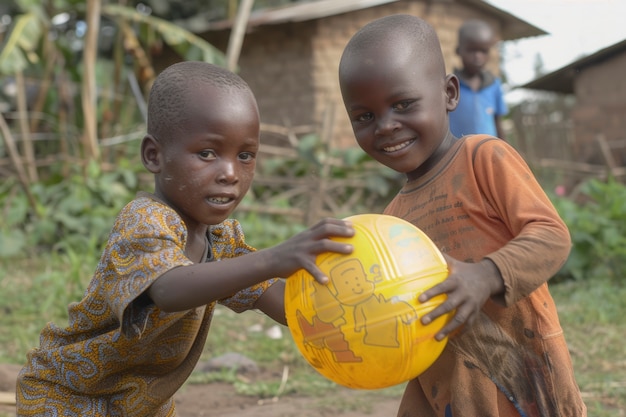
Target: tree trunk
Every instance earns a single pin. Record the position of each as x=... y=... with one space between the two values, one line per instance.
x=89 y=94
x=237 y=34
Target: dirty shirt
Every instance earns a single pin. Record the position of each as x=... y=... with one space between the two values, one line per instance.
x=120 y=355
x=482 y=201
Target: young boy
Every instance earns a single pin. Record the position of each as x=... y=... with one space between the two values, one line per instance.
x=481 y=106
x=137 y=334
x=479 y=202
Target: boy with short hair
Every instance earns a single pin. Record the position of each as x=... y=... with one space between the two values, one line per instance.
x=140 y=329
x=481 y=205
x=481 y=105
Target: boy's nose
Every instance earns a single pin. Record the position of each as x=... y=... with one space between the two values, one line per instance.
x=386 y=125
x=228 y=173
x=480 y=56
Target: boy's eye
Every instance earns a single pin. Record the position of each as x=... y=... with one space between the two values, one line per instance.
x=403 y=105
x=364 y=117
x=207 y=154
x=247 y=156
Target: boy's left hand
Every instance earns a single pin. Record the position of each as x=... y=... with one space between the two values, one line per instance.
x=468 y=287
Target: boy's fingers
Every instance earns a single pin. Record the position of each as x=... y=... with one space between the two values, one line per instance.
x=318 y=275
x=441 y=288
x=450 y=329
x=340 y=247
x=461 y=317
x=440 y=310
x=335 y=227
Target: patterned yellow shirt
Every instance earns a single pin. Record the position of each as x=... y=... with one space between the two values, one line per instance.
x=120 y=355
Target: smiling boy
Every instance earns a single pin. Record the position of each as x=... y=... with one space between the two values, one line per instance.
x=479 y=202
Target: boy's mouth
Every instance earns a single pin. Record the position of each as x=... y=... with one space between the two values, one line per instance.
x=399 y=146
x=220 y=200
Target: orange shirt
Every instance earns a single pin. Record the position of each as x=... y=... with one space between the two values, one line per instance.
x=482 y=201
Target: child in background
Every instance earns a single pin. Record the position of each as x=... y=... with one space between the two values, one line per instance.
x=137 y=334
x=481 y=205
x=481 y=105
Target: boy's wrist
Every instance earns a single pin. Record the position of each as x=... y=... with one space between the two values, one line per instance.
x=496 y=282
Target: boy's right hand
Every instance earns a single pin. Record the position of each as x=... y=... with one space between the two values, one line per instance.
x=300 y=252
x=467 y=287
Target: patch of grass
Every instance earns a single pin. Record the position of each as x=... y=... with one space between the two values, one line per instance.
x=35 y=291
x=592 y=316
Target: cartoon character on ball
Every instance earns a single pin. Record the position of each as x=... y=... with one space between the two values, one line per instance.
x=365 y=321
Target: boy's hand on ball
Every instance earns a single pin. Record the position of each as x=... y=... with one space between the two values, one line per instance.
x=467 y=288
x=300 y=252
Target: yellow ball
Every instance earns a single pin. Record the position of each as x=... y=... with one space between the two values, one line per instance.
x=362 y=329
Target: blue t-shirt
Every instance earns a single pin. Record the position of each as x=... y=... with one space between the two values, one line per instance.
x=476 y=110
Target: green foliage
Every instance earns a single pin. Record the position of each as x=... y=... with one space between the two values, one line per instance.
x=35 y=290
x=20 y=48
x=597 y=224
x=73 y=213
x=266 y=230
x=592 y=314
x=77 y=213
x=188 y=45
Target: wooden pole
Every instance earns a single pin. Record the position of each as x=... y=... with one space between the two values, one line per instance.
x=89 y=97
x=17 y=162
x=237 y=34
x=22 y=108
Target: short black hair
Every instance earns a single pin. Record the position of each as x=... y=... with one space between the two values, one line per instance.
x=167 y=102
x=379 y=33
x=473 y=27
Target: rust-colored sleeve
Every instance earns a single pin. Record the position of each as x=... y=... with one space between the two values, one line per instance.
x=541 y=242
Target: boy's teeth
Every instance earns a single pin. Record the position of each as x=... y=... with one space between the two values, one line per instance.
x=396 y=147
x=219 y=199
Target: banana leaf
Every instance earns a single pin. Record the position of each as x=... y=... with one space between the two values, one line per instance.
x=190 y=46
x=19 y=50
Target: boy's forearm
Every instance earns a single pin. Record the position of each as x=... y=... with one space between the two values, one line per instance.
x=191 y=286
x=531 y=259
x=272 y=302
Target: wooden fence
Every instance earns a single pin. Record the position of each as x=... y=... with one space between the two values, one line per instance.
x=546 y=139
x=298 y=196
x=329 y=186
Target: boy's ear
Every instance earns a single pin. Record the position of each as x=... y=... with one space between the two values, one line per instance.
x=453 y=92
x=150 y=154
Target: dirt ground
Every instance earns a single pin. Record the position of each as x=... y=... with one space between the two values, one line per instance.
x=220 y=399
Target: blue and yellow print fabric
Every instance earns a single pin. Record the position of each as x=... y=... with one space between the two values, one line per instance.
x=120 y=355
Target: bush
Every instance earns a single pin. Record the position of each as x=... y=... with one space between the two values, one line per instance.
x=71 y=214
x=597 y=223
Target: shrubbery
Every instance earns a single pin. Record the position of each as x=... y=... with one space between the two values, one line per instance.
x=72 y=213
x=597 y=222
x=75 y=214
